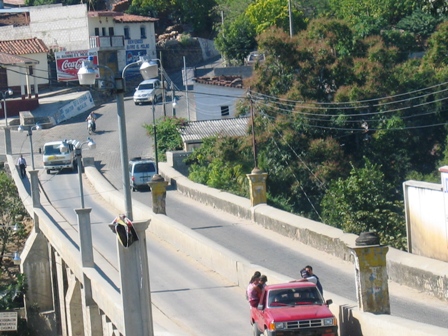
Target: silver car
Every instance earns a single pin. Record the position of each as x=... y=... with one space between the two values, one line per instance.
x=148 y=91
x=141 y=172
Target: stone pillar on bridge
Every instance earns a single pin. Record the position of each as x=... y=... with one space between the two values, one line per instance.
x=73 y=301
x=60 y=276
x=91 y=315
x=257 y=186
x=8 y=147
x=135 y=286
x=372 y=288
x=37 y=265
x=158 y=192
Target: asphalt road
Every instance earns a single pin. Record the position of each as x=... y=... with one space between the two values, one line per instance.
x=243 y=237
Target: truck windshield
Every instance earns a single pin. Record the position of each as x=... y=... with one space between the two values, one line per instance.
x=52 y=150
x=294 y=296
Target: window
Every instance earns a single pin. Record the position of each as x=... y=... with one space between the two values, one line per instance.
x=111 y=31
x=103 y=31
x=143 y=32
x=97 y=32
x=126 y=33
x=225 y=111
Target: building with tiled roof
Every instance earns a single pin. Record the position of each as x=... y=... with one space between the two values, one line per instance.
x=216 y=96
x=24 y=46
x=116 y=37
x=30 y=62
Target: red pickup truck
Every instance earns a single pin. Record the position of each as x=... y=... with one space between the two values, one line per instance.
x=293 y=309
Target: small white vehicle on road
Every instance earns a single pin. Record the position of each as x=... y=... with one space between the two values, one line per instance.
x=54 y=158
x=148 y=91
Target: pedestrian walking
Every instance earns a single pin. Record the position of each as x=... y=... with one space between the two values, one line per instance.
x=21 y=162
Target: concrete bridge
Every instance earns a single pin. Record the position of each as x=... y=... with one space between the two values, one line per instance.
x=67 y=282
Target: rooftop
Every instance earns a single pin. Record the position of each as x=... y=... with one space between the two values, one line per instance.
x=228 y=81
x=122 y=17
x=197 y=130
x=23 y=46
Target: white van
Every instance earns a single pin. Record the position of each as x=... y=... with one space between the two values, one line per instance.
x=55 y=159
x=141 y=172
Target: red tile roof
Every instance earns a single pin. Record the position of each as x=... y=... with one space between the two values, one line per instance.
x=122 y=17
x=229 y=81
x=22 y=47
x=14 y=3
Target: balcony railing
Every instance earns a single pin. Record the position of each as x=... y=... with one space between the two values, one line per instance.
x=107 y=42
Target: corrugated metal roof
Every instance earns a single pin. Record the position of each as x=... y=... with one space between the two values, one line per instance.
x=197 y=130
x=24 y=46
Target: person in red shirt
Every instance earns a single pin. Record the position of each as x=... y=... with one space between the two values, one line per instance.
x=253 y=291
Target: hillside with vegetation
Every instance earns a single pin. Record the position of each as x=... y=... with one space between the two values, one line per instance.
x=349 y=104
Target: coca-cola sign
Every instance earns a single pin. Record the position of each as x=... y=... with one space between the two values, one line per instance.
x=69 y=62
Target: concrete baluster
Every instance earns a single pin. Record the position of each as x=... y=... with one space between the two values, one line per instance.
x=135 y=287
x=91 y=314
x=371 y=274
x=257 y=186
x=8 y=147
x=158 y=192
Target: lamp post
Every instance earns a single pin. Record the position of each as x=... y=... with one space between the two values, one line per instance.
x=154 y=129
x=150 y=69
x=78 y=153
x=29 y=129
x=6 y=93
x=86 y=76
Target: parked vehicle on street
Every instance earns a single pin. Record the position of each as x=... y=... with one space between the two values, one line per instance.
x=54 y=158
x=148 y=91
x=293 y=309
x=141 y=172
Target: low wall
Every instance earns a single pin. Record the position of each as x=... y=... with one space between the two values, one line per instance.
x=352 y=321
x=420 y=273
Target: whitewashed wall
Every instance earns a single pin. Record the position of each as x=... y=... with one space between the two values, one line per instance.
x=425 y=219
x=58 y=26
x=210 y=98
x=16 y=75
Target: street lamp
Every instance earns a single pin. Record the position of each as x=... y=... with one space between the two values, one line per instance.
x=150 y=69
x=29 y=128
x=78 y=153
x=86 y=76
x=8 y=92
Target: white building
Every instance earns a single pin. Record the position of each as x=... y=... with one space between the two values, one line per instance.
x=216 y=97
x=117 y=37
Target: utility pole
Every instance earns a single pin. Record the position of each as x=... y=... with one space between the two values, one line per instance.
x=290 y=18
x=254 y=142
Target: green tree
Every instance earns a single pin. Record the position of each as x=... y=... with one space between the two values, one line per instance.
x=168 y=136
x=236 y=39
x=264 y=14
x=222 y=163
x=361 y=203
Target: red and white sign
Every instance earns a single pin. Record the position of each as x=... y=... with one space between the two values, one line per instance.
x=69 y=62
